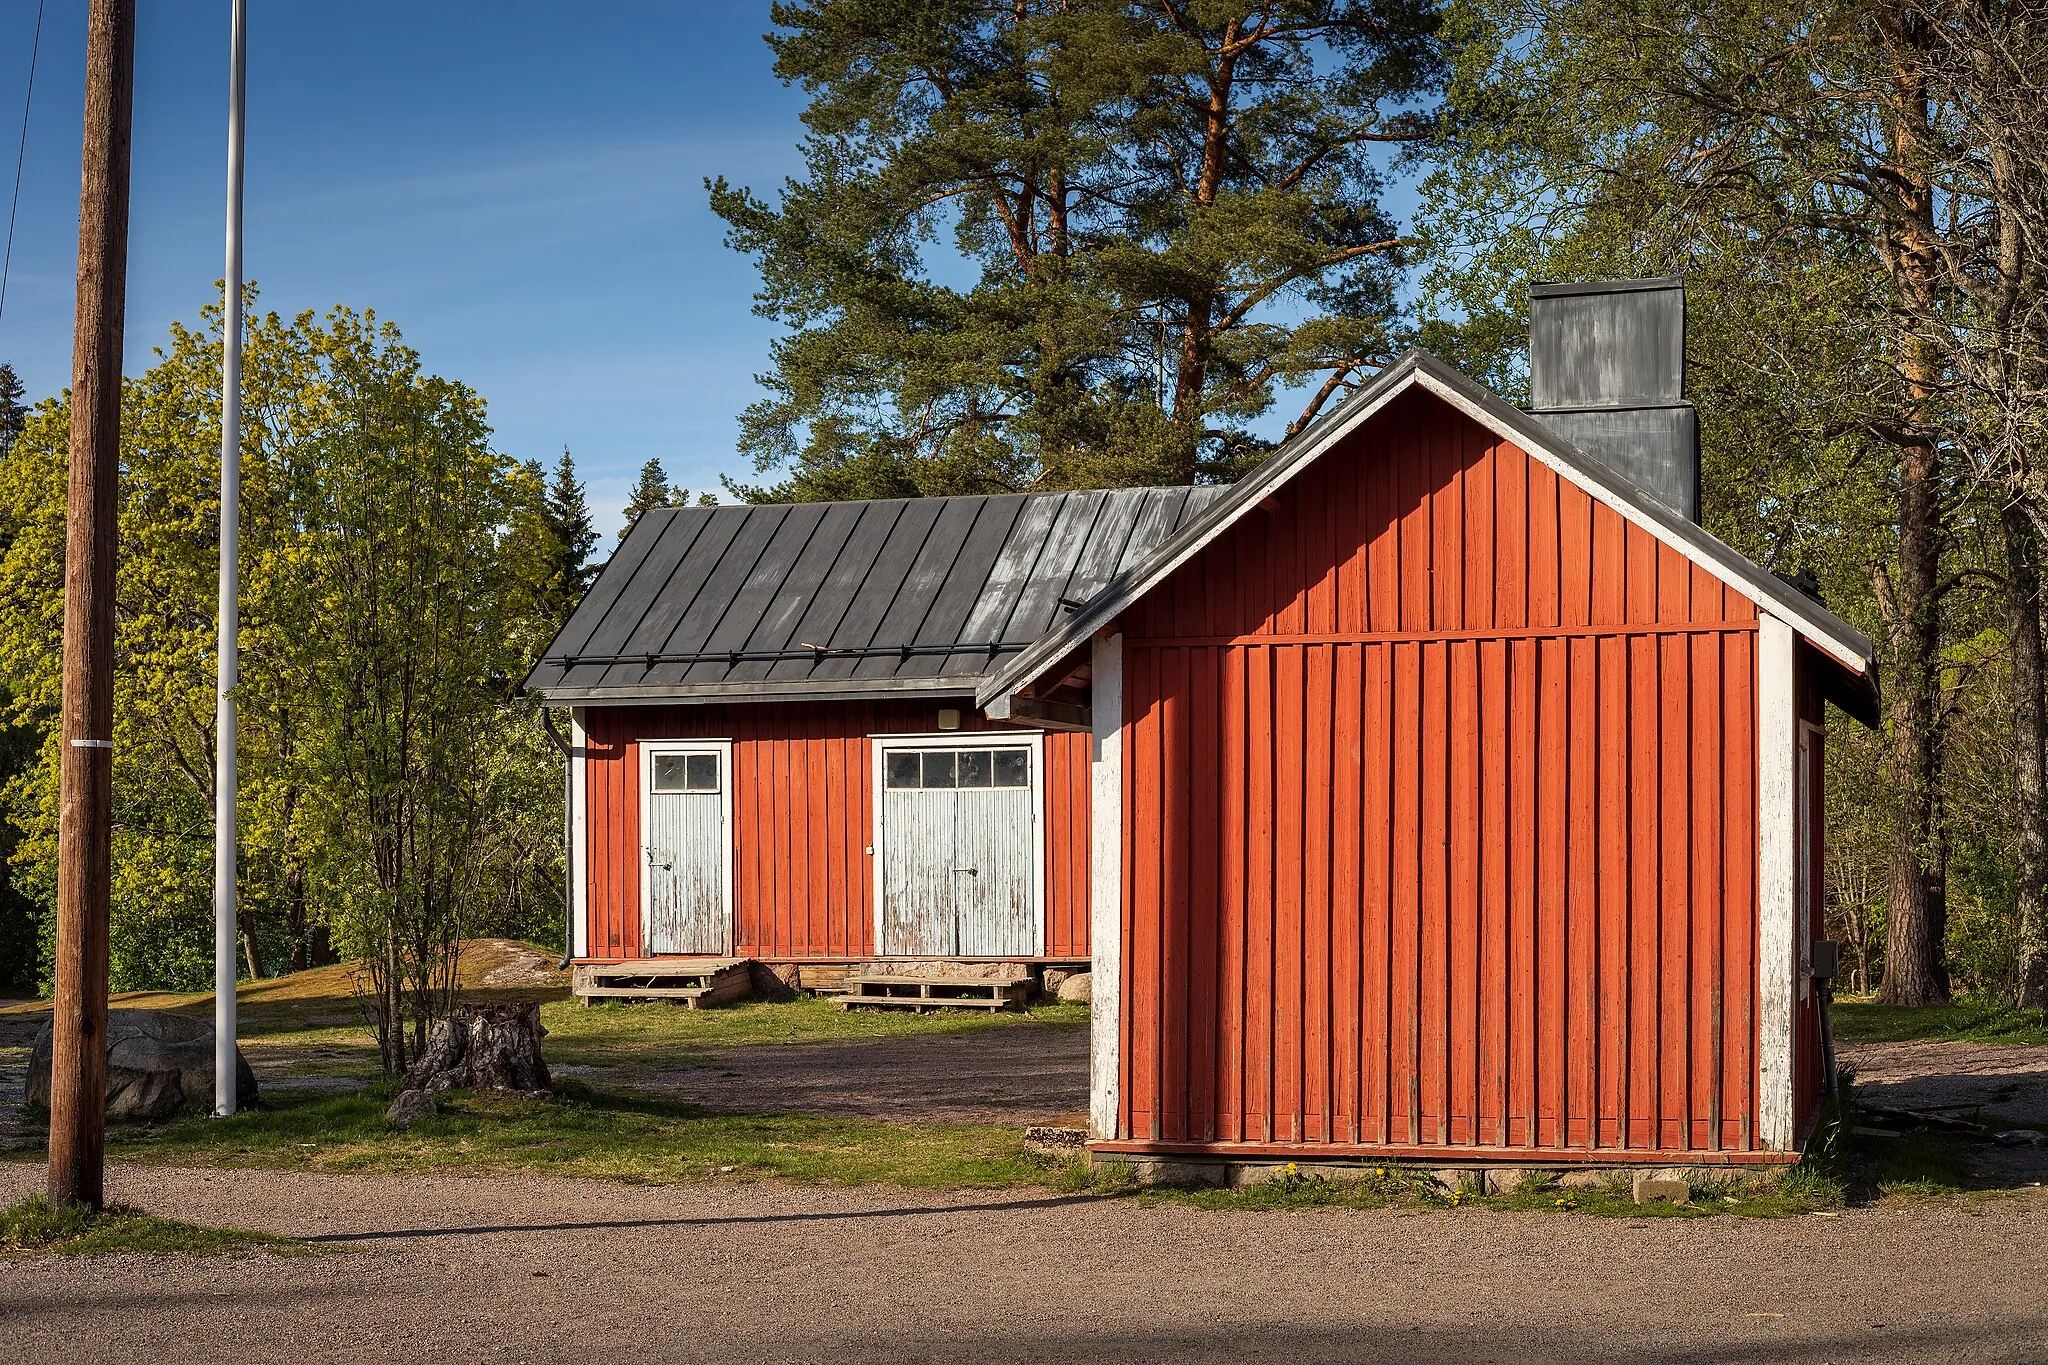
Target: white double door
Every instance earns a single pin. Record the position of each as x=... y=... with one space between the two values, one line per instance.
x=958 y=846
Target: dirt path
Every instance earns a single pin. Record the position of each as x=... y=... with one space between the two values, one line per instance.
x=1010 y=1076
x=1998 y=1083
x=446 y=1268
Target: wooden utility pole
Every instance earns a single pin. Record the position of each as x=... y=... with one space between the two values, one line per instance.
x=78 y=1074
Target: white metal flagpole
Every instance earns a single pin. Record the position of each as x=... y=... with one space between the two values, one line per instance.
x=224 y=935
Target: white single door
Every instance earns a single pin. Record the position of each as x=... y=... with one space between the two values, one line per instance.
x=958 y=849
x=685 y=818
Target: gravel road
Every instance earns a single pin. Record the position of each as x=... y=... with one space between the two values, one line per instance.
x=542 y=1270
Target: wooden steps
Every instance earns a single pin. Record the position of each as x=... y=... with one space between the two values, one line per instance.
x=919 y=993
x=691 y=982
x=823 y=977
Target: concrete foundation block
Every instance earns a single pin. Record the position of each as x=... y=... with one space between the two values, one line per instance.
x=1661 y=1187
x=1170 y=1173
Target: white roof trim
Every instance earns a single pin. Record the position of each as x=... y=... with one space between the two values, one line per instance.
x=1418 y=368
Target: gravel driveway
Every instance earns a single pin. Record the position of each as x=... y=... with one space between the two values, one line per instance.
x=539 y=1270
x=1014 y=1076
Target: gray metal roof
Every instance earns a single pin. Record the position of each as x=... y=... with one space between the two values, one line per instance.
x=846 y=599
x=1846 y=646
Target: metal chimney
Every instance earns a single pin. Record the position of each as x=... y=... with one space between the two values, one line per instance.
x=1606 y=372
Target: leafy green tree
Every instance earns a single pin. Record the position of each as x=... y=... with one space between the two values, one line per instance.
x=413 y=642
x=396 y=575
x=18 y=937
x=1167 y=211
x=1810 y=169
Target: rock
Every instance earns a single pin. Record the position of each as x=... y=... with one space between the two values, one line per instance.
x=1660 y=1188
x=1078 y=989
x=410 y=1107
x=1582 y=1180
x=158 y=1063
x=1049 y=984
x=1508 y=1179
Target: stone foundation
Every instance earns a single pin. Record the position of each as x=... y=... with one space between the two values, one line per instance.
x=1190 y=1171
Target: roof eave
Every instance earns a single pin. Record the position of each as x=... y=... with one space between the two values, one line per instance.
x=743 y=693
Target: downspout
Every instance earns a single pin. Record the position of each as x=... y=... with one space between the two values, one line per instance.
x=1827 y=962
x=547 y=723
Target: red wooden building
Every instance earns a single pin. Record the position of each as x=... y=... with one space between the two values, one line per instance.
x=1470 y=796
x=776 y=754
x=1440 y=791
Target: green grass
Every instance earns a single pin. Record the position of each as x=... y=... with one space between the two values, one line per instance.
x=602 y=1034
x=593 y=1133
x=35 y=1227
x=1859 y=1021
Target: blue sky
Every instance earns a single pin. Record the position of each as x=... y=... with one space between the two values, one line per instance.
x=517 y=185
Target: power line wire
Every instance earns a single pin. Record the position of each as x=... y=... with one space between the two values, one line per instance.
x=21 y=156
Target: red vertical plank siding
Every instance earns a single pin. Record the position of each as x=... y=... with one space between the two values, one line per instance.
x=1441 y=820
x=803 y=879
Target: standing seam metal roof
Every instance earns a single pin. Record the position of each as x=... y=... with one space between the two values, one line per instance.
x=846 y=599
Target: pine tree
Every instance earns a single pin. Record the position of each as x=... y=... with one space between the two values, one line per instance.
x=653 y=490
x=566 y=512
x=1172 y=207
x=13 y=415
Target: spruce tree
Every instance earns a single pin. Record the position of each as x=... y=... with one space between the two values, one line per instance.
x=13 y=415
x=566 y=512
x=653 y=490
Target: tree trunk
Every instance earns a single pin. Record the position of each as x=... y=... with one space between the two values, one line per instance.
x=2030 y=746
x=248 y=924
x=1191 y=369
x=1914 y=971
x=295 y=916
x=483 y=1047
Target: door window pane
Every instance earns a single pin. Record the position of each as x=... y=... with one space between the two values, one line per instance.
x=975 y=767
x=686 y=772
x=900 y=769
x=1013 y=767
x=669 y=772
x=938 y=768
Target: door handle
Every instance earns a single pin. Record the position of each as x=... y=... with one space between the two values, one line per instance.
x=970 y=871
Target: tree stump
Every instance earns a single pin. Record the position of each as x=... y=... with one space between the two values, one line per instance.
x=487 y=1047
